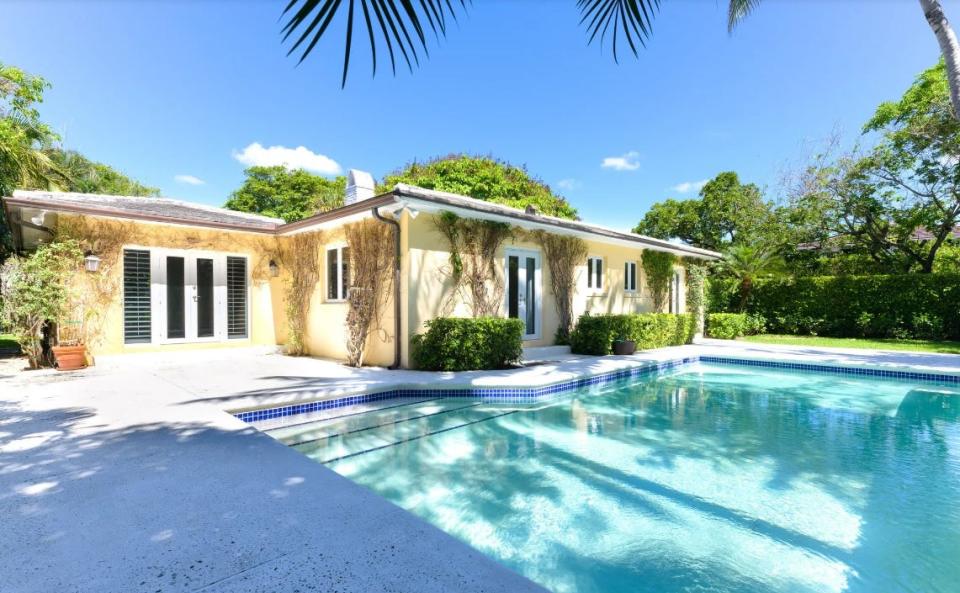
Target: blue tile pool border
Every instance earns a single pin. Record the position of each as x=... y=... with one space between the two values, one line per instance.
x=535 y=394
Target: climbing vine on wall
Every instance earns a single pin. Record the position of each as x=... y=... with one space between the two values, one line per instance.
x=473 y=261
x=106 y=238
x=563 y=254
x=658 y=270
x=94 y=293
x=372 y=257
x=300 y=257
x=696 y=293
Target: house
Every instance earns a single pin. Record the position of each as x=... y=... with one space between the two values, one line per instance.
x=175 y=275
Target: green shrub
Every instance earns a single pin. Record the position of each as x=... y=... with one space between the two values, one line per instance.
x=922 y=306
x=454 y=344
x=729 y=326
x=594 y=334
x=35 y=290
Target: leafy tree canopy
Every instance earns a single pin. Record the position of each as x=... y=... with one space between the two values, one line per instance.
x=290 y=195
x=899 y=202
x=727 y=212
x=483 y=178
x=86 y=176
x=22 y=135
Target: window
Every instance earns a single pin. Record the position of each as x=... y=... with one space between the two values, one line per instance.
x=630 y=276
x=595 y=272
x=136 y=296
x=338 y=273
x=236 y=297
x=676 y=289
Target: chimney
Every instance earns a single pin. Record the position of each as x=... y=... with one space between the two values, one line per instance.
x=360 y=187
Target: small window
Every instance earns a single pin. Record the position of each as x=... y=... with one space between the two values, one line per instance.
x=630 y=276
x=338 y=273
x=595 y=272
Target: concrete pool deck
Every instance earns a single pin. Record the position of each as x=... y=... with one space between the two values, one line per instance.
x=131 y=477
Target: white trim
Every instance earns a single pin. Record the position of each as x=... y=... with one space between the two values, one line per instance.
x=158 y=294
x=626 y=276
x=341 y=289
x=591 y=287
x=522 y=306
x=641 y=241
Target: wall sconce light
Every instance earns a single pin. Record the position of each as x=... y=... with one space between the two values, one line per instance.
x=274 y=269
x=91 y=262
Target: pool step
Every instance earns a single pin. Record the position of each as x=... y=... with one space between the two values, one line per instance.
x=344 y=444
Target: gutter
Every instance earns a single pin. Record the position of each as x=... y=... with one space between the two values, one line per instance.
x=397 y=344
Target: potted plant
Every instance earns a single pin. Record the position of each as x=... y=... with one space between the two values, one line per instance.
x=70 y=353
x=70 y=349
x=622 y=346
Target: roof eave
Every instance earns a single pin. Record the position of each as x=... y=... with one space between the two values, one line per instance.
x=123 y=214
x=497 y=211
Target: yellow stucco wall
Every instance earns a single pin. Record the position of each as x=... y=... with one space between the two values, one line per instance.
x=426 y=272
x=424 y=280
x=104 y=290
x=326 y=320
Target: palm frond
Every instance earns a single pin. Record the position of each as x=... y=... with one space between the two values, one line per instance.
x=739 y=10
x=401 y=25
x=631 y=18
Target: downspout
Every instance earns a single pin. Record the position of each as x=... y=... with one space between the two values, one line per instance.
x=396 y=284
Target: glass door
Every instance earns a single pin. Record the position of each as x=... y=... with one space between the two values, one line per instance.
x=522 y=272
x=204 y=298
x=189 y=297
x=176 y=302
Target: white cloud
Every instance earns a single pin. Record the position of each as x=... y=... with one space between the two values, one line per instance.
x=568 y=184
x=301 y=157
x=188 y=179
x=625 y=162
x=689 y=186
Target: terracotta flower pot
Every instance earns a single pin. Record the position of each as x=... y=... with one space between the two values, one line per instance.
x=624 y=347
x=70 y=358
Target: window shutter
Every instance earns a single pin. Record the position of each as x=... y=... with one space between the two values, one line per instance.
x=236 y=297
x=589 y=272
x=136 y=296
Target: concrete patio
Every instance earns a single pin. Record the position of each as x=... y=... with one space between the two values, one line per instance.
x=129 y=476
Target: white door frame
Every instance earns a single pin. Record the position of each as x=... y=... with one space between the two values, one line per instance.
x=522 y=305
x=158 y=283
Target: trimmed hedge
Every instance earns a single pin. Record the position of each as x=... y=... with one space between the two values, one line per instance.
x=729 y=326
x=920 y=306
x=594 y=334
x=466 y=344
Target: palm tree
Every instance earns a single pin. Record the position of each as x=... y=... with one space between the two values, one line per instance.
x=404 y=26
x=749 y=263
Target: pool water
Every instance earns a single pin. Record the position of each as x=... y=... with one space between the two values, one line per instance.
x=707 y=478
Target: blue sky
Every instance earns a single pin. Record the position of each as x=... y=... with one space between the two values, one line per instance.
x=167 y=89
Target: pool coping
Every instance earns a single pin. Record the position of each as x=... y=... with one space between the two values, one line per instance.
x=533 y=393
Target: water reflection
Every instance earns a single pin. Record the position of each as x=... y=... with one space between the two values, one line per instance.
x=707 y=479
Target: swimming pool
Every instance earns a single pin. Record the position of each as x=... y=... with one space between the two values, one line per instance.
x=706 y=478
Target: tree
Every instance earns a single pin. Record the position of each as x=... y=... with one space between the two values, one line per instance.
x=483 y=178
x=396 y=19
x=748 y=263
x=727 y=212
x=22 y=135
x=290 y=195
x=899 y=202
x=86 y=176
x=35 y=291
